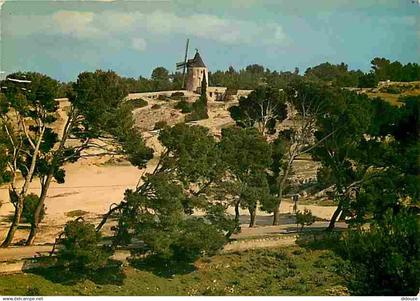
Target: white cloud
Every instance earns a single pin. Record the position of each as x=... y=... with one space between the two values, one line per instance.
x=138 y=44
x=229 y=31
x=116 y=24
x=75 y=23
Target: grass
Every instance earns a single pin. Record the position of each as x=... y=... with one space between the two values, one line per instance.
x=282 y=271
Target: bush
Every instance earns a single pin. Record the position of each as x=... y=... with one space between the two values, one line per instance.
x=198 y=238
x=155 y=106
x=391 y=90
x=139 y=103
x=199 y=110
x=163 y=97
x=81 y=249
x=184 y=106
x=160 y=125
x=304 y=218
x=177 y=95
x=384 y=260
x=29 y=206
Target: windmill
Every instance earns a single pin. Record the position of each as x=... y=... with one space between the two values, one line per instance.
x=183 y=65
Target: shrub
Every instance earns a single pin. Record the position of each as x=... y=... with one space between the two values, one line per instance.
x=391 y=90
x=199 y=110
x=163 y=97
x=160 y=125
x=81 y=249
x=177 y=95
x=29 y=206
x=139 y=103
x=184 y=106
x=304 y=218
x=198 y=238
x=155 y=106
x=384 y=260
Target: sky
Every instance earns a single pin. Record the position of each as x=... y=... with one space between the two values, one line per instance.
x=63 y=38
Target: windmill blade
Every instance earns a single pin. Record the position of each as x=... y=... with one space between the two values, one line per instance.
x=184 y=65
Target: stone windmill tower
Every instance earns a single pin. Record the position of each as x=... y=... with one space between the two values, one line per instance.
x=196 y=71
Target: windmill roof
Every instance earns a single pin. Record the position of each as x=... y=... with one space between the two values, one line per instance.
x=197 y=61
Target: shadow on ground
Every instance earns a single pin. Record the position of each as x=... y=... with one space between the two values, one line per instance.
x=112 y=274
x=163 y=268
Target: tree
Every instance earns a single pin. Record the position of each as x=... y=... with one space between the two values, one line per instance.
x=160 y=79
x=248 y=156
x=307 y=101
x=98 y=118
x=81 y=248
x=345 y=121
x=368 y=80
x=338 y=75
x=263 y=108
x=384 y=259
x=159 y=211
x=392 y=153
x=304 y=218
x=40 y=150
x=27 y=113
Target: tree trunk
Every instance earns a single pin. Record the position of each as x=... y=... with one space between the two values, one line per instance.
x=15 y=223
x=253 y=215
x=37 y=214
x=237 y=214
x=276 y=212
x=334 y=217
x=38 y=210
x=276 y=215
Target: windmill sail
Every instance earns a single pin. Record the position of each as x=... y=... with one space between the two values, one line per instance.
x=183 y=65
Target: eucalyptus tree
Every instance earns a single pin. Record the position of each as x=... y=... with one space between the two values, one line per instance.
x=306 y=102
x=28 y=110
x=37 y=147
x=262 y=109
x=97 y=118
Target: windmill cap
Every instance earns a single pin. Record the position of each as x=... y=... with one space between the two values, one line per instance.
x=197 y=61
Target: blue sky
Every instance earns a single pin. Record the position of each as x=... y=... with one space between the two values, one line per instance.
x=64 y=38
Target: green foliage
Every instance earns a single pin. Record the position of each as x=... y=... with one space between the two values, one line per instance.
x=384 y=69
x=160 y=125
x=368 y=80
x=138 y=103
x=247 y=155
x=160 y=79
x=263 y=108
x=385 y=260
x=29 y=206
x=338 y=75
x=159 y=211
x=287 y=271
x=304 y=218
x=250 y=78
x=199 y=107
x=81 y=249
x=177 y=95
x=184 y=106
